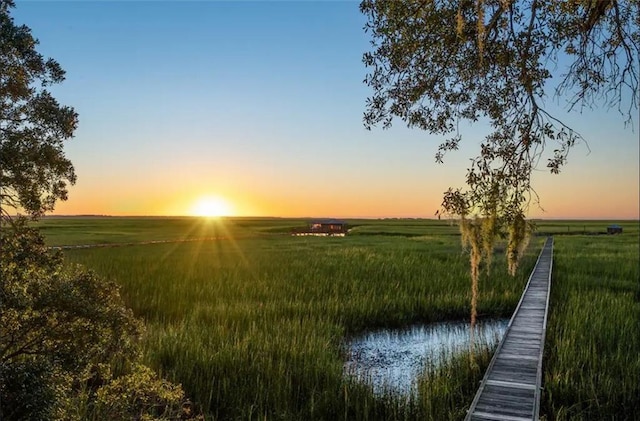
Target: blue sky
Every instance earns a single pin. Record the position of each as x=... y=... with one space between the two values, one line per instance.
x=260 y=104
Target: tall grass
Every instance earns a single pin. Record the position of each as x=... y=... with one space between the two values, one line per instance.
x=253 y=328
x=592 y=352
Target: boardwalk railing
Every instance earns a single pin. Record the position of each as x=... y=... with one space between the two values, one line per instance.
x=510 y=389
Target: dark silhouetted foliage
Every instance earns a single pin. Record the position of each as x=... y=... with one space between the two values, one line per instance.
x=34 y=171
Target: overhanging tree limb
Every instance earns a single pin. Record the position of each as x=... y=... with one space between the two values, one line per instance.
x=492 y=60
x=433 y=64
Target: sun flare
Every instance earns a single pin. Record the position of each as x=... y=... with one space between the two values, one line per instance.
x=212 y=207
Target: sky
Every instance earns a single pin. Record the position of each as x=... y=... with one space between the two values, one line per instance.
x=255 y=109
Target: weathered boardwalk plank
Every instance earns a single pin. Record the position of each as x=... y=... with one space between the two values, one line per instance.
x=510 y=389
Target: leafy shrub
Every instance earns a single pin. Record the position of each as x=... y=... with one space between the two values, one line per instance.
x=33 y=389
x=69 y=347
x=142 y=395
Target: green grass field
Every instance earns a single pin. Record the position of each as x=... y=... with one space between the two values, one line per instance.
x=593 y=346
x=252 y=324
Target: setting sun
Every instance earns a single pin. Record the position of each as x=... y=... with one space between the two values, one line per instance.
x=212 y=207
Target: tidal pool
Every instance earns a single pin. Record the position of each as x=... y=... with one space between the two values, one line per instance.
x=392 y=360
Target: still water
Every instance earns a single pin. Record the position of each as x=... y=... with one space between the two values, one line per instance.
x=393 y=359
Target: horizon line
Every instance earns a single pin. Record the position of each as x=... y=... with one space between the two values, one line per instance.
x=318 y=217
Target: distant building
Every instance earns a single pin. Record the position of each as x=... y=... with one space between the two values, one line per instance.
x=330 y=226
x=324 y=227
x=614 y=229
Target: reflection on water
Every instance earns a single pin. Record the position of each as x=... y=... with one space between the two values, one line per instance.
x=393 y=359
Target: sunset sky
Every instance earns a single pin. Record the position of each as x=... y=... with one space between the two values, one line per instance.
x=255 y=109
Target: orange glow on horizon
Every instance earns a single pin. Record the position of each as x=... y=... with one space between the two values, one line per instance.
x=188 y=197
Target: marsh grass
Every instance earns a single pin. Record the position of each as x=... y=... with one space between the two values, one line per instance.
x=447 y=384
x=253 y=327
x=592 y=352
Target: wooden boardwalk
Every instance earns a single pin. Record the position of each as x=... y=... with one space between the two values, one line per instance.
x=510 y=389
